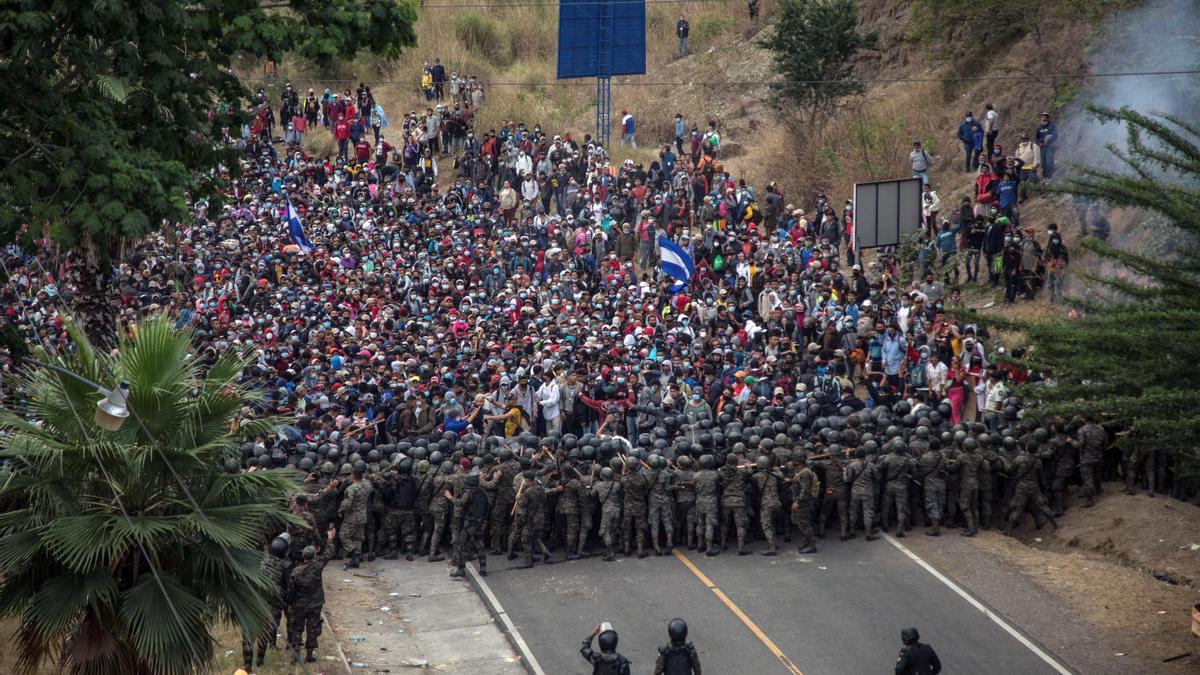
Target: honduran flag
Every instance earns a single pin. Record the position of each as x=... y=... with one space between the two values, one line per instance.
x=675 y=263
x=296 y=230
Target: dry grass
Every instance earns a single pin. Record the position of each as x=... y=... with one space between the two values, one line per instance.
x=228 y=657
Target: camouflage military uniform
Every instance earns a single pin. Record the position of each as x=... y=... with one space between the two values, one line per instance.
x=354 y=518
x=305 y=599
x=768 y=481
x=805 y=486
x=733 y=505
x=608 y=494
x=1092 y=442
x=685 y=502
x=634 y=486
x=863 y=477
x=708 y=518
x=897 y=467
x=661 y=507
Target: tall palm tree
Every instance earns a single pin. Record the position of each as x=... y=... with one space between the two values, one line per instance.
x=119 y=551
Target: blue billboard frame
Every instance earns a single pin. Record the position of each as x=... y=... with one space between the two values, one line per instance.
x=601 y=38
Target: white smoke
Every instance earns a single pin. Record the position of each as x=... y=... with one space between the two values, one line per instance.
x=1160 y=35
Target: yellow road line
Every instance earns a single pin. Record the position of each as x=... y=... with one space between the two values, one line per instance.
x=737 y=611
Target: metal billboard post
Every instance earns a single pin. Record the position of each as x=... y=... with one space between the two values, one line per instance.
x=600 y=39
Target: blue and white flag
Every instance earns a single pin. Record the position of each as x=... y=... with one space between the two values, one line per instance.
x=675 y=263
x=296 y=231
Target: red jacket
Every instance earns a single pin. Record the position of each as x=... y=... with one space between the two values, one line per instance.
x=341 y=130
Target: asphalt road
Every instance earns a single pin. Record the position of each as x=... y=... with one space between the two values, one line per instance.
x=838 y=611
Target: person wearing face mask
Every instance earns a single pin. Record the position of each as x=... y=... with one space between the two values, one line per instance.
x=967 y=132
x=1056 y=259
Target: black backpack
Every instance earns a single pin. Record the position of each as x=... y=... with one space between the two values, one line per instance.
x=610 y=664
x=676 y=659
x=479 y=507
x=404 y=493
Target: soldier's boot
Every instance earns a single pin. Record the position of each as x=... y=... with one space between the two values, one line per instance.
x=1060 y=499
x=458 y=572
x=311 y=657
x=408 y=553
x=935 y=530
x=392 y=554
x=641 y=548
x=869 y=528
x=497 y=536
x=608 y=553
x=1050 y=517
x=425 y=543
x=901 y=527
x=808 y=548
x=770 y=546
x=545 y=552
x=969 y=530
x=670 y=542
x=482 y=564
x=742 y=550
x=354 y=560
x=435 y=555
x=1038 y=521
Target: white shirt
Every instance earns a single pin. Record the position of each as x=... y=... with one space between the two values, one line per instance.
x=936 y=377
x=991 y=122
x=549 y=396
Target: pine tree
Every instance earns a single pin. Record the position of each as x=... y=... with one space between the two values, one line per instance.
x=813 y=43
x=1132 y=360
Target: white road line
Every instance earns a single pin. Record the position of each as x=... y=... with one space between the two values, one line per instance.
x=982 y=608
x=526 y=652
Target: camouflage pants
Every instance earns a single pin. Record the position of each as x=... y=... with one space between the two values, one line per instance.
x=1091 y=478
x=968 y=494
x=862 y=506
x=266 y=638
x=708 y=525
x=586 y=510
x=351 y=535
x=501 y=511
x=610 y=520
x=685 y=519
x=895 y=496
x=305 y=623
x=634 y=522
x=399 y=526
x=662 y=514
x=531 y=535
x=568 y=524
x=802 y=519
x=439 y=518
x=766 y=517
x=468 y=546
x=1027 y=495
x=736 y=517
x=935 y=497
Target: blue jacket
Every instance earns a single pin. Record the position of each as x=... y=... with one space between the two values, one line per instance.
x=966 y=131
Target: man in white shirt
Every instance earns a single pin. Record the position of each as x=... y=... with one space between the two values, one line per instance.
x=991 y=128
x=549 y=396
x=935 y=377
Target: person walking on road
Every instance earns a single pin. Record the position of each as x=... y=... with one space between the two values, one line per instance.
x=680 y=656
x=916 y=658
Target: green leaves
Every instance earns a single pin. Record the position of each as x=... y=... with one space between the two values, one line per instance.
x=94 y=514
x=1130 y=356
x=813 y=43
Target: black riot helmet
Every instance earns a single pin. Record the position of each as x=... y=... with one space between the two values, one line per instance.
x=608 y=640
x=909 y=636
x=677 y=630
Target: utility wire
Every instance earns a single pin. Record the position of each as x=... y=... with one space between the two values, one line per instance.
x=104 y=471
x=587 y=82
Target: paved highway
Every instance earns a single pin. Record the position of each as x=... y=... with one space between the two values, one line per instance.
x=838 y=611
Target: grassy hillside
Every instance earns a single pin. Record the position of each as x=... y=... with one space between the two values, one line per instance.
x=913 y=93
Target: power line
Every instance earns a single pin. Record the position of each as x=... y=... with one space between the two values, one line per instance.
x=586 y=82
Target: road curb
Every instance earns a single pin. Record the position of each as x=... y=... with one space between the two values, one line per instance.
x=500 y=616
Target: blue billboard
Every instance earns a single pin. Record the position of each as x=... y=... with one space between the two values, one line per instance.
x=601 y=38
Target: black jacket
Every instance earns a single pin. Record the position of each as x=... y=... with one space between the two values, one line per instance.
x=919 y=659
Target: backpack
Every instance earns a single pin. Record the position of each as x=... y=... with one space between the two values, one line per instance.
x=814 y=486
x=479 y=508
x=676 y=659
x=404 y=493
x=607 y=664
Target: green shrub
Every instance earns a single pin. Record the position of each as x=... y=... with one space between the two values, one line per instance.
x=485 y=36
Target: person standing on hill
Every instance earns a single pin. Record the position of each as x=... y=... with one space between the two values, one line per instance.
x=991 y=128
x=920 y=160
x=681 y=31
x=438 y=72
x=1047 y=139
x=627 y=129
x=966 y=136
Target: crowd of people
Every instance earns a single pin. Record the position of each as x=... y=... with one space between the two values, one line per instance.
x=985 y=227
x=488 y=359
